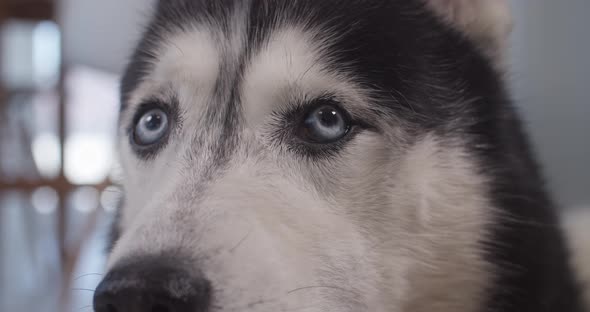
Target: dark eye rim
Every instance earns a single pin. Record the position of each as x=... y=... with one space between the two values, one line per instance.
x=289 y=122
x=148 y=152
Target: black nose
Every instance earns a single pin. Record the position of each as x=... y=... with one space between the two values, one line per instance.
x=152 y=285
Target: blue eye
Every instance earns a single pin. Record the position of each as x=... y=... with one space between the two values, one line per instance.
x=151 y=128
x=325 y=124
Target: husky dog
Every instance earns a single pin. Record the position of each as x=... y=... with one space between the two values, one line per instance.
x=326 y=155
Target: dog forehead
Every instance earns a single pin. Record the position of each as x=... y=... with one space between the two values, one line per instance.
x=204 y=65
x=246 y=26
x=250 y=52
x=187 y=65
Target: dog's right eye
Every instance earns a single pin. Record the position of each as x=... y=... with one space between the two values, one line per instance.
x=151 y=128
x=325 y=124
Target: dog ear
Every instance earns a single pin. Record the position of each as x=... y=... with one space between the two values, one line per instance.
x=487 y=22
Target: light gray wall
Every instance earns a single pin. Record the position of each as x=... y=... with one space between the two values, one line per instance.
x=101 y=33
x=550 y=58
x=550 y=78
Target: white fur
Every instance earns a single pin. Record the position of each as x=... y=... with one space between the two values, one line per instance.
x=289 y=70
x=188 y=66
x=487 y=22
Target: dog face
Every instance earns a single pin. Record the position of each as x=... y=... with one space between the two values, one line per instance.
x=305 y=155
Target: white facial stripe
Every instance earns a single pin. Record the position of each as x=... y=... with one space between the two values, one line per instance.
x=290 y=69
x=189 y=59
x=187 y=67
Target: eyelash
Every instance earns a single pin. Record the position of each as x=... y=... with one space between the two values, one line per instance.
x=287 y=123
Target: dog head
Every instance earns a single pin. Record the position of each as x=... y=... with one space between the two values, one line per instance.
x=306 y=155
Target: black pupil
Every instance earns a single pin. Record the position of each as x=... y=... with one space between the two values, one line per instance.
x=329 y=117
x=153 y=122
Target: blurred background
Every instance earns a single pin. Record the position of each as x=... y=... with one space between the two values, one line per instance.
x=59 y=67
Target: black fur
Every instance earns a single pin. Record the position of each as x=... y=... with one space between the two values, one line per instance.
x=115 y=229
x=433 y=77
x=152 y=283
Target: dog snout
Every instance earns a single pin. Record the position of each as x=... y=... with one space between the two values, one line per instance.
x=152 y=286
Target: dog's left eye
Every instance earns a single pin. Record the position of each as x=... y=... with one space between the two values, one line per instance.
x=150 y=128
x=325 y=124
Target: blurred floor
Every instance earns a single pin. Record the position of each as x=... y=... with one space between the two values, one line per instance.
x=30 y=276
x=29 y=262
x=56 y=159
